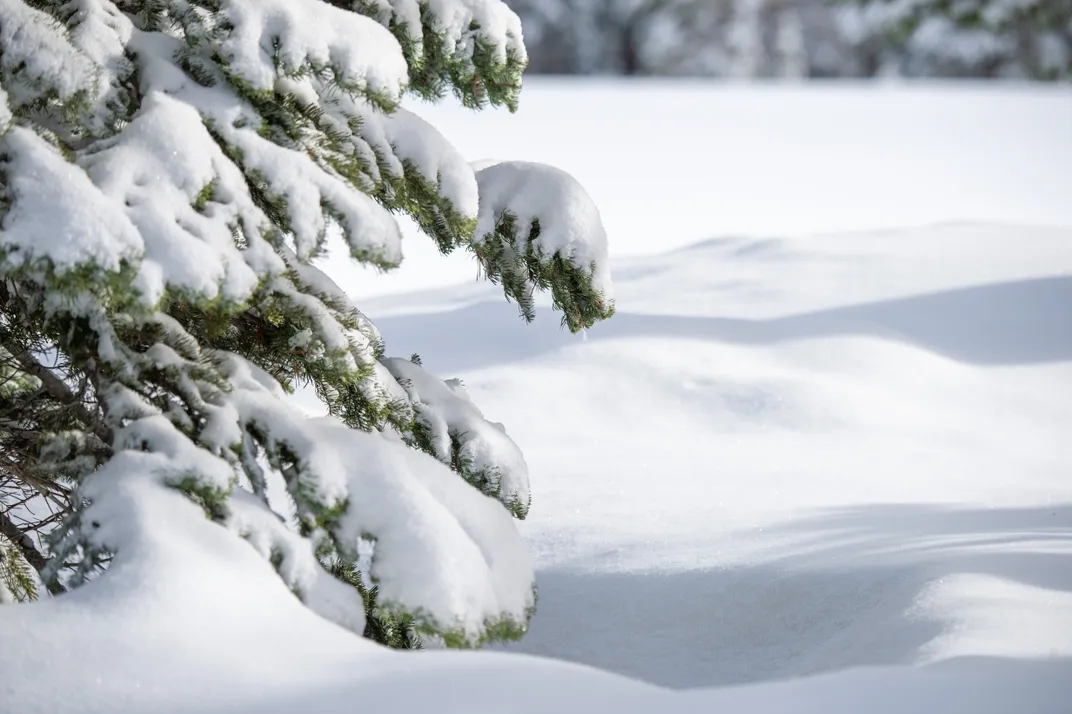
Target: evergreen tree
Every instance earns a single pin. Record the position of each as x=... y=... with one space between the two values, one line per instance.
x=984 y=38
x=169 y=172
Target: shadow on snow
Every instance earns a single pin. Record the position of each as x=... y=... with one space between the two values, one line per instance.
x=1021 y=322
x=840 y=595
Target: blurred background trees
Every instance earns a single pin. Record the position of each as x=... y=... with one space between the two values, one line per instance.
x=800 y=38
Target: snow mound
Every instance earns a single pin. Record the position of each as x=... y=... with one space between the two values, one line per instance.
x=136 y=642
x=790 y=456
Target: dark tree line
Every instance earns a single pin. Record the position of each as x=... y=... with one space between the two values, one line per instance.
x=799 y=38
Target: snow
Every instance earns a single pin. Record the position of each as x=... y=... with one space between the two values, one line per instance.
x=50 y=196
x=460 y=25
x=157 y=184
x=100 y=31
x=490 y=22
x=80 y=69
x=996 y=617
x=785 y=457
x=37 y=54
x=451 y=417
x=150 y=620
x=126 y=175
x=570 y=224
x=179 y=457
x=416 y=140
x=198 y=169
x=671 y=162
x=817 y=463
x=795 y=448
x=362 y=55
x=443 y=550
x=310 y=189
x=299 y=568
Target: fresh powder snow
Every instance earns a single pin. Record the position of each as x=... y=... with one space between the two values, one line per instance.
x=809 y=467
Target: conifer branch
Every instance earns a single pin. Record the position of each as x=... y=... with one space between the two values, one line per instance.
x=29 y=551
x=57 y=389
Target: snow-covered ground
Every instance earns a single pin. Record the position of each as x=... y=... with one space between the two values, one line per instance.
x=672 y=163
x=786 y=457
x=827 y=429
x=795 y=448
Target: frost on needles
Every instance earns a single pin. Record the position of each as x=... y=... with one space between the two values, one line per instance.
x=169 y=170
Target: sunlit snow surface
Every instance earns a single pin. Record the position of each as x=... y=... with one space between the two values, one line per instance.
x=795 y=448
x=812 y=439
